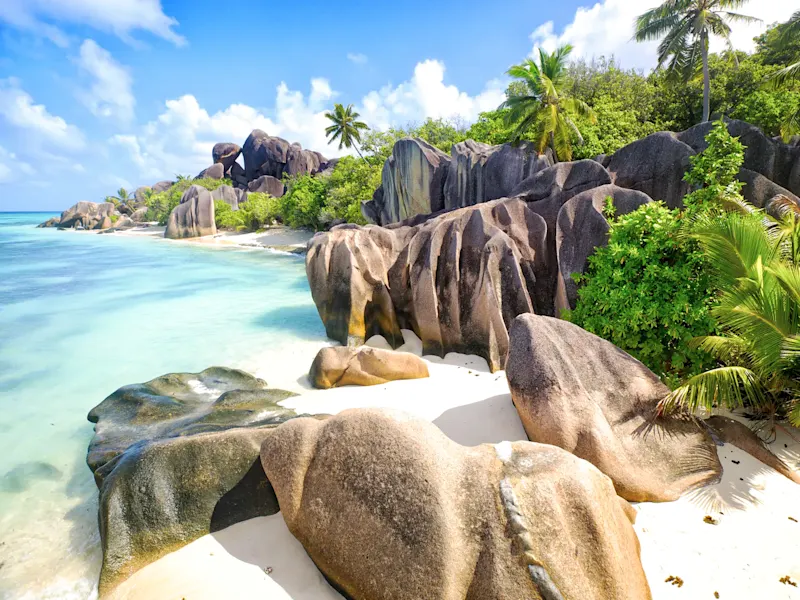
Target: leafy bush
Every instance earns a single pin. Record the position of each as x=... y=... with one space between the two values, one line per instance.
x=259 y=211
x=647 y=291
x=353 y=181
x=303 y=202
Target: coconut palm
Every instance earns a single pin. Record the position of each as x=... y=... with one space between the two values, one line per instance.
x=790 y=33
x=686 y=27
x=346 y=127
x=544 y=110
x=122 y=195
x=756 y=263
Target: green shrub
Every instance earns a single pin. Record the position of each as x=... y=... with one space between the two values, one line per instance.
x=303 y=202
x=352 y=182
x=227 y=218
x=259 y=211
x=647 y=291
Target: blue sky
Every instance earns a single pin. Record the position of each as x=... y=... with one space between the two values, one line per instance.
x=98 y=94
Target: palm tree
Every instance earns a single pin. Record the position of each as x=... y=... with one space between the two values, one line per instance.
x=544 y=108
x=791 y=32
x=686 y=27
x=346 y=127
x=122 y=195
x=756 y=262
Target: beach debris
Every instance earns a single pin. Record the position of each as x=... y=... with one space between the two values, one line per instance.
x=786 y=580
x=267 y=570
x=736 y=462
x=716 y=594
x=710 y=520
x=793 y=519
x=674 y=580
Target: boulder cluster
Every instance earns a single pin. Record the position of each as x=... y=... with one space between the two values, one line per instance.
x=267 y=159
x=190 y=453
x=470 y=240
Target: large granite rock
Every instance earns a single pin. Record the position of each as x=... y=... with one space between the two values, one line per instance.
x=215 y=171
x=343 y=365
x=412 y=182
x=194 y=216
x=577 y=391
x=758 y=190
x=139 y=215
x=654 y=165
x=389 y=508
x=226 y=154
x=480 y=172
x=140 y=195
x=162 y=186
x=231 y=196
x=85 y=214
x=274 y=156
x=580 y=228
x=176 y=458
x=267 y=184
x=457 y=279
x=238 y=178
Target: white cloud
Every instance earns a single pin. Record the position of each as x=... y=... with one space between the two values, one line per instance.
x=180 y=139
x=426 y=95
x=11 y=167
x=110 y=93
x=18 y=109
x=120 y=17
x=606 y=28
x=357 y=58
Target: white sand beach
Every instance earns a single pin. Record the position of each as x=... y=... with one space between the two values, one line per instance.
x=754 y=542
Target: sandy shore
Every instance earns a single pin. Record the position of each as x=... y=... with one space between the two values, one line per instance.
x=753 y=544
x=278 y=238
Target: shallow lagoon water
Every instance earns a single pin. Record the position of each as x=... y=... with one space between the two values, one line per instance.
x=83 y=314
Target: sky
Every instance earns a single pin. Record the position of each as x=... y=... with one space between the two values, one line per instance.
x=100 y=94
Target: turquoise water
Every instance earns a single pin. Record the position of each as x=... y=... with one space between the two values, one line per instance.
x=83 y=314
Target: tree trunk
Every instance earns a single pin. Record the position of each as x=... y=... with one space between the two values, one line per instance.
x=553 y=146
x=359 y=153
x=706 y=79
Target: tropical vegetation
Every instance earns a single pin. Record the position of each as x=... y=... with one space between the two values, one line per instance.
x=346 y=127
x=685 y=28
x=541 y=109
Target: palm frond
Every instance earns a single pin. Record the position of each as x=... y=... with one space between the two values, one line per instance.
x=727 y=387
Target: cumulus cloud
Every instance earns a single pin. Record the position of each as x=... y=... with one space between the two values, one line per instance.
x=606 y=28
x=357 y=58
x=110 y=93
x=426 y=95
x=12 y=168
x=120 y=17
x=18 y=109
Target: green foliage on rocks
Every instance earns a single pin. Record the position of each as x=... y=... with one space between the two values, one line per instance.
x=259 y=211
x=650 y=290
x=160 y=205
x=302 y=204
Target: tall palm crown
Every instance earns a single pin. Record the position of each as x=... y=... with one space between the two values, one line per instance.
x=346 y=127
x=686 y=27
x=544 y=109
x=790 y=33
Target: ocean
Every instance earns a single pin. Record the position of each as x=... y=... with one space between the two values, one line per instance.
x=83 y=314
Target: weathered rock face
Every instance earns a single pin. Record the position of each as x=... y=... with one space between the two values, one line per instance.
x=274 y=156
x=654 y=165
x=86 y=214
x=343 y=365
x=176 y=458
x=268 y=185
x=162 y=186
x=759 y=190
x=104 y=223
x=140 y=195
x=577 y=391
x=373 y=280
x=371 y=488
x=229 y=195
x=237 y=176
x=581 y=228
x=52 y=222
x=413 y=181
x=479 y=172
x=124 y=222
x=225 y=153
x=139 y=215
x=215 y=171
x=194 y=216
